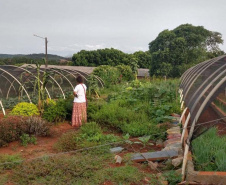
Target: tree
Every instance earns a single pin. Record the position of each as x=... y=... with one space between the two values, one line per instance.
x=98 y=57
x=184 y=46
x=143 y=58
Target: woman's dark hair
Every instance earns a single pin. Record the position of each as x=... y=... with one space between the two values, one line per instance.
x=79 y=79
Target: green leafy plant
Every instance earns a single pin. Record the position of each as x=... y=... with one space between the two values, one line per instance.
x=41 y=82
x=90 y=129
x=126 y=73
x=144 y=140
x=89 y=135
x=93 y=89
x=26 y=139
x=172 y=177
x=56 y=112
x=113 y=75
x=25 y=109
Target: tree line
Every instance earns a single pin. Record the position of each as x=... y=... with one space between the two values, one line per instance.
x=111 y=56
x=7 y=59
x=170 y=54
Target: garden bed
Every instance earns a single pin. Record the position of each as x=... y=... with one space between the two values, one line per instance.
x=119 y=117
x=202 y=177
x=44 y=144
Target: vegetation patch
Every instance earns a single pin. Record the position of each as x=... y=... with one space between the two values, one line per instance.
x=89 y=135
x=25 y=109
x=138 y=108
x=209 y=151
x=56 y=112
x=8 y=162
x=13 y=127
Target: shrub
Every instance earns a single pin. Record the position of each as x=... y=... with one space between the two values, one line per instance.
x=25 y=109
x=141 y=129
x=89 y=135
x=55 y=112
x=126 y=73
x=26 y=139
x=93 y=107
x=37 y=126
x=69 y=106
x=110 y=75
x=67 y=142
x=172 y=177
x=113 y=114
x=90 y=129
x=12 y=127
x=93 y=89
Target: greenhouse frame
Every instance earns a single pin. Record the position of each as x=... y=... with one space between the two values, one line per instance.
x=21 y=82
x=203 y=94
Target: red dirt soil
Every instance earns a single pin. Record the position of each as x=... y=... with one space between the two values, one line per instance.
x=44 y=144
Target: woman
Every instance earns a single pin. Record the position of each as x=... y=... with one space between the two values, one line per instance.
x=79 y=114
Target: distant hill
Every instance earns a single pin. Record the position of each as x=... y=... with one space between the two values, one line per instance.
x=33 y=56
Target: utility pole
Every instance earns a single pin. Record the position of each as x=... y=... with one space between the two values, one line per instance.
x=46 y=56
x=46 y=62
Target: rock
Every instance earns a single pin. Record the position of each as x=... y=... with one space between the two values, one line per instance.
x=174 y=128
x=155 y=156
x=116 y=149
x=175 y=145
x=170 y=141
x=118 y=159
x=177 y=162
x=159 y=143
x=169 y=148
x=179 y=171
x=152 y=165
x=171 y=136
x=168 y=164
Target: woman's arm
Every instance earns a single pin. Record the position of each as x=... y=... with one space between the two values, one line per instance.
x=75 y=94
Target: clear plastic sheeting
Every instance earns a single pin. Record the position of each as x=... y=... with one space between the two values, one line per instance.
x=20 y=83
x=203 y=90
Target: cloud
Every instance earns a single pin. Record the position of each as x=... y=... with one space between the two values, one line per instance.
x=94 y=47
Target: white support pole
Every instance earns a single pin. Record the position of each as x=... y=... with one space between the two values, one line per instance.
x=185 y=126
x=181 y=98
x=185 y=161
x=3 y=110
x=182 y=104
x=182 y=115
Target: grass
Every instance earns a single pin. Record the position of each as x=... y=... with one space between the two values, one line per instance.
x=209 y=151
x=82 y=168
x=8 y=162
x=89 y=135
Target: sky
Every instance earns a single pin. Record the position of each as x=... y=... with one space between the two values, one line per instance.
x=73 y=25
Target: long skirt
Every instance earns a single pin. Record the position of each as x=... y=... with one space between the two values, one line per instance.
x=79 y=115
